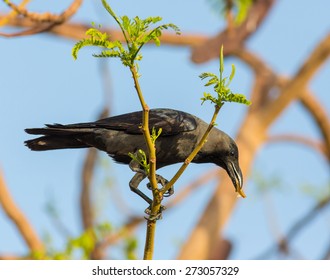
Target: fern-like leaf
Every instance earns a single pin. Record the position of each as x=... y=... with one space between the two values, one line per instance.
x=107 y=53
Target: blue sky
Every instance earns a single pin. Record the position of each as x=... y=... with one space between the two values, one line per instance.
x=41 y=83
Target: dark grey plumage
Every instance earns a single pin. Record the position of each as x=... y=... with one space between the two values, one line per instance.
x=120 y=135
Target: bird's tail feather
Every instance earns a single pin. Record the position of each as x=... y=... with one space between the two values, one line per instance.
x=45 y=143
x=55 y=137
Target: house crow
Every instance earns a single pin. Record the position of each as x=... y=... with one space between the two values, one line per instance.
x=120 y=135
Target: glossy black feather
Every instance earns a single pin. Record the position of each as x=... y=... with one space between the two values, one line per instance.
x=171 y=121
x=120 y=135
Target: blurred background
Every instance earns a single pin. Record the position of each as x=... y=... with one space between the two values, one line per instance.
x=280 y=50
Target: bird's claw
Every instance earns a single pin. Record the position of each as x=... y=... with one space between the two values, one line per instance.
x=169 y=192
x=154 y=217
x=161 y=180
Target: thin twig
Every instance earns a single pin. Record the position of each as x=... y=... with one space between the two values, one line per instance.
x=4 y=20
x=297 y=227
x=46 y=17
x=296 y=86
x=188 y=189
x=87 y=175
x=233 y=37
x=320 y=116
x=76 y=31
x=314 y=144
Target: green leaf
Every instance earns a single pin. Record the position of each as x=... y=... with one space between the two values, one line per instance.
x=107 y=53
x=222 y=67
x=130 y=248
x=126 y=22
x=221 y=86
x=207 y=75
x=232 y=74
x=155 y=134
x=239 y=8
x=141 y=158
x=243 y=7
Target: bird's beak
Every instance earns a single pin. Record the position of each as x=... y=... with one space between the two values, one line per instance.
x=236 y=176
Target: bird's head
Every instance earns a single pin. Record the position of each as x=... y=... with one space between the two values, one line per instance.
x=225 y=155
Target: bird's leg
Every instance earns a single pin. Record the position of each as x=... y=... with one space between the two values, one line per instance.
x=134 y=184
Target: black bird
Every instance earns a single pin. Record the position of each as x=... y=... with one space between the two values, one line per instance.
x=120 y=135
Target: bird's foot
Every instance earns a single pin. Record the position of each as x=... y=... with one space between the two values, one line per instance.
x=161 y=180
x=154 y=217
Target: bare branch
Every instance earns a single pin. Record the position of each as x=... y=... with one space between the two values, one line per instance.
x=76 y=31
x=327 y=253
x=295 y=88
x=265 y=78
x=320 y=116
x=46 y=17
x=85 y=196
x=297 y=227
x=86 y=180
x=45 y=21
x=314 y=144
x=4 y=20
x=223 y=251
x=42 y=27
x=198 y=182
x=233 y=38
x=12 y=257
x=18 y=218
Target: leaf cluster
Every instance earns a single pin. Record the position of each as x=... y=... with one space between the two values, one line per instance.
x=155 y=134
x=81 y=246
x=137 y=32
x=141 y=158
x=221 y=87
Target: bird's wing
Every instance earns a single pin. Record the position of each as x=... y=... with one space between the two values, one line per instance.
x=171 y=121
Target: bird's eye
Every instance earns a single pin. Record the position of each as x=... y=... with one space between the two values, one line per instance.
x=232 y=153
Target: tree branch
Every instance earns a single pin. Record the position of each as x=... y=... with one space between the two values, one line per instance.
x=45 y=21
x=233 y=38
x=196 y=183
x=17 y=217
x=296 y=86
x=297 y=227
x=265 y=78
x=316 y=145
x=40 y=28
x=86 y=180
x=76 y=31
x=46 y=17
x=320 y=116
